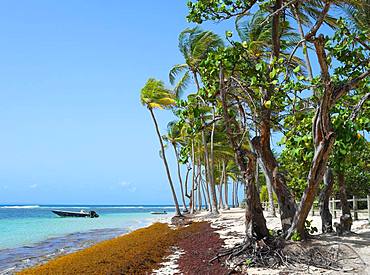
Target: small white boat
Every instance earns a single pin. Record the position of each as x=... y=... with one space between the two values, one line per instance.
x=158 y=212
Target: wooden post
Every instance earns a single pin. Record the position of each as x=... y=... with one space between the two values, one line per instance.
x=368 y=207
x=355 y=208
x=333 y=208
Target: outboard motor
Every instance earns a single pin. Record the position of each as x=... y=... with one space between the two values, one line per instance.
x=93 y=214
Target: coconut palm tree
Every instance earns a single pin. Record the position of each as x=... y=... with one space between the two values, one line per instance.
x=194 y=44
x=154 y=95
x=174 y=137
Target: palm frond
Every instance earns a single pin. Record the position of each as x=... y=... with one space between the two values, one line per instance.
x=175 y=71
x=182 y=84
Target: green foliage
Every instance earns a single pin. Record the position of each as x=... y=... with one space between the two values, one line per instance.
x=264 y=196
x=155 y=95
x=296 y=236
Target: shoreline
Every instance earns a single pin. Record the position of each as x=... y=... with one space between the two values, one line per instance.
x=225 y=231
x=15 y=259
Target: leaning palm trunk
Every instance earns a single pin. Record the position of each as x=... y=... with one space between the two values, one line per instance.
x=211 y=161
x=220 y=199
x=199 y=185
x=192 y=197
x=204 y=195
x=178 y=212
x=213 y=202
x=180 y=179
x=206 y=168
x=304 y=45
x=226 y=194
x=236 y=194
x=233 y=195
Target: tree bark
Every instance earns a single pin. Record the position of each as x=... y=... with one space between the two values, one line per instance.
x=304 y=44
x=269 y=191
x=246 y=160
x=192 y=195
x=213 y=202
x=204 y=196
x=326 y=217
x=287 y=205
x=323 y=137
x=180 y=179
x=255 y=223
x=346 y=218
x=178 y=212
x=212 y=164
x=226 y=193
x=199 y=185
x=220 y=199
x=233 y=195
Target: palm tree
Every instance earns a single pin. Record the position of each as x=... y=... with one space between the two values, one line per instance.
x=194 y=44
x=174 y=138
x=155 y=95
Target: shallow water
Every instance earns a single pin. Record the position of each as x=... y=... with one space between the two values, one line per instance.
x=33 y=234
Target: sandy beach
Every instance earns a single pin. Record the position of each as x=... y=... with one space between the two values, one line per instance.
x=163 y=248
x=229 y=225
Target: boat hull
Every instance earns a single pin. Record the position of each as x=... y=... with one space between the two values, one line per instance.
x=74 y=214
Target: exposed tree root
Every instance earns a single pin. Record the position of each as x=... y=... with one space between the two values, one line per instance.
x=275 y=252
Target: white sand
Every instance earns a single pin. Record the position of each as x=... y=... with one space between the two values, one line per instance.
x=231 y=229
x=230 y=225
x=169 y=265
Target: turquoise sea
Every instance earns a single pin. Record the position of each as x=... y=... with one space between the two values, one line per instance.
x=30 y=234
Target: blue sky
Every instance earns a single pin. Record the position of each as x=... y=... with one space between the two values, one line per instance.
x=72 y=129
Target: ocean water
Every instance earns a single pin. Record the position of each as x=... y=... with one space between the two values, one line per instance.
x=30 y=234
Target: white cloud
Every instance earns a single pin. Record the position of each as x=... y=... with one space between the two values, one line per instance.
x=33 y=186
x=124 y=183
x=128 y=186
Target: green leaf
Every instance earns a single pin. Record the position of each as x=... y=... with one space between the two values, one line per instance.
x=297 y=69
x=259 y=67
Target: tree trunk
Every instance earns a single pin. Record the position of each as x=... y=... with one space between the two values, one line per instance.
x=233 y=195
x=246 y=160
x=255 y=223
x=180 y=179
x=220 y=199
x=323 y=137
x=346 y=218
x=178 y=212
x=207 y=174
x=304 y=45
x=326 y=217
x=226 y=193
x=210 y=176
x=212 y=170
x=192 y=195
x=199 y=185
x=287 y=205
x=269 y=191
x=186 y=181
x=236 y=194
x=204 y=196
